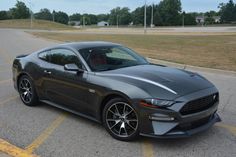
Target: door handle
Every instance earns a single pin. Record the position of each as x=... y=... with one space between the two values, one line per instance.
x=47 y=72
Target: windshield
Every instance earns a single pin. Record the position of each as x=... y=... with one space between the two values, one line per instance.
x=111 y=58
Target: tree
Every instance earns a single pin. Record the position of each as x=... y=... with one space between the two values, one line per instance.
x=228 y=12
x=93 y=19
x=61 y=17
x=121 y=14
x=75 y=17
x=44 y=14
x=170 y=12
x=103 y=17
x=20 y=11
x=190 y=19
x=4 y=15
x=124 y=16
x=85 y=20
x=138 y=16
x=158 y=18
x=209 y=20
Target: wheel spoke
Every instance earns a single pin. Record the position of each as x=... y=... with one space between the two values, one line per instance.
x=25 y=90
x=124 y=109
x=116 y=122
x=129 y=113
x=120 y=121
x=125 y=129
x=121 y=127
x=111 y=111
x=132 y=120
x=130 y=125
x=117 y=110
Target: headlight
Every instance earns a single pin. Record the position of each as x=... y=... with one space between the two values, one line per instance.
x=156 y=103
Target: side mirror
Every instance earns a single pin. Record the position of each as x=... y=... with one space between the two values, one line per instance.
x=73 y=67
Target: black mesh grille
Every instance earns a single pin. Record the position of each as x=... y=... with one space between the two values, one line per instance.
x=200 y=104
x=193 y=125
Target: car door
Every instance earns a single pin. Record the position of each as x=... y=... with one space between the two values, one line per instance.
x=66 y=88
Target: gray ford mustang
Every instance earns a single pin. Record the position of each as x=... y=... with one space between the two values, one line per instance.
x=112 y=85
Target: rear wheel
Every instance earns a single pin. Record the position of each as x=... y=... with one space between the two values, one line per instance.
x=121 y=120
x=27 y=91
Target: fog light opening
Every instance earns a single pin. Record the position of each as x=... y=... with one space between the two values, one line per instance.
x=161 y=118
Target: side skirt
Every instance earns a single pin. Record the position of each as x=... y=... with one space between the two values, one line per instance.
x=70 y=110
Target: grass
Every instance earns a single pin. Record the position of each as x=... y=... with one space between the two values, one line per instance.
x=37 y=24
x=212 y=51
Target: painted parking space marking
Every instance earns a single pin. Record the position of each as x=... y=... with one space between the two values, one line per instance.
x=9 y=99
x=5 y=81
x=4 y=70
x=46 y=133
x=230 y=128
x=147 y=149
x=13 y=151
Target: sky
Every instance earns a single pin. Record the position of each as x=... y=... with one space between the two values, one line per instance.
x=104 y=6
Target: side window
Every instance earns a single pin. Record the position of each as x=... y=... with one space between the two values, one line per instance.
x=63 y=57
x=45 y=56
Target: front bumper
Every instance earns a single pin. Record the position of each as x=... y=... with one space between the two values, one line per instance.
x=182 y=125
x=187 y=133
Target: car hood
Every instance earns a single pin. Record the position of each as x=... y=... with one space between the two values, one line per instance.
x=159 y=80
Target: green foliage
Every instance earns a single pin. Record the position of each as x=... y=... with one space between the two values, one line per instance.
x=138 y=16
x=44 y=14
x=170 y=12
x=20 y=11
x=75 y=17
x=189 y=19
x=4 y=15
x=209 y=20
x=93 y=19
x=228 y=12
x=167 y=12
x=103 y=17
x=89 y=19
x=61 y=17
x=122 y=14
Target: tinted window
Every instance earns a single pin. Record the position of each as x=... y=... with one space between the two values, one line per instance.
x=110 y=58
x=63 y=57
x=45 y=56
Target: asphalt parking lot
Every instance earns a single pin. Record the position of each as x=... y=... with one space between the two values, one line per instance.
x=51 y=132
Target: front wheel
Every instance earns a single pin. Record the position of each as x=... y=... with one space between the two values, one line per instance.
x=121 y=120
x=27 y=91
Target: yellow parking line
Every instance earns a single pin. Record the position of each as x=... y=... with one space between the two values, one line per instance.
x=13 y=151
x=231 y=128
x=147 y=149
x=9 y=99
x=45 y=134
x=6 y=58
x=4 y=71
x=5 y=81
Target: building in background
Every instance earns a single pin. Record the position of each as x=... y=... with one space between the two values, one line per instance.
x=102 y=24
x=202 y=19
x=74 y=23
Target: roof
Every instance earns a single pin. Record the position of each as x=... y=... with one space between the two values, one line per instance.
x=102 y=22
x=88 y=44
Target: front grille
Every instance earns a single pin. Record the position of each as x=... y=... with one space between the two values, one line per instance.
x=194 y=124
x=200 y=104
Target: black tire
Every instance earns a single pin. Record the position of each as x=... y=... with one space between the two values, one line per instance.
x=26 y=89
x=124 y=121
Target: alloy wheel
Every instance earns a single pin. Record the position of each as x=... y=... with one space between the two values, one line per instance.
x=121 y=119
x=25 y=90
